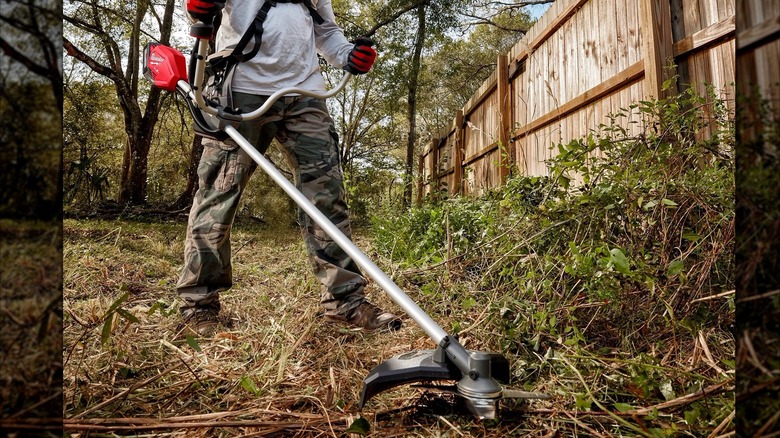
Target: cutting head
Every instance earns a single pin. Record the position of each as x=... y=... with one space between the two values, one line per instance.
x=479 y=389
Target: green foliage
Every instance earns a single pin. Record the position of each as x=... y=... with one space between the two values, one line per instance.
x=654 y=207
x=360 y=426
x=432 y=233
x=759 y=176
x=30 y=144
x=114 y=312
x=92 y=144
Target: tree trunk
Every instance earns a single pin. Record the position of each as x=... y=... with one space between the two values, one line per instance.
x=414 y=74
x=133 y=187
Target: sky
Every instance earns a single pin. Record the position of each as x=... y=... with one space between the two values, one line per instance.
x=537 y=11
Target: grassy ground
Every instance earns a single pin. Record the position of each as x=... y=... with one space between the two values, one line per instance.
x=30 y=326
x=277 y=368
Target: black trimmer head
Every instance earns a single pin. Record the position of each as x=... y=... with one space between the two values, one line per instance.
x=479 y=387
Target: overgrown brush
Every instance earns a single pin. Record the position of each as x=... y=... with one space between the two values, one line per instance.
x=758 y=253
x=622 y=256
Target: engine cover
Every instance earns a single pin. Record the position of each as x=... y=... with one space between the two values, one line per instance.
x=164 y=66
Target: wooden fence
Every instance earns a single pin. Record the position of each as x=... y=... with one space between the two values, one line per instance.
x=581 y=61
x=758 y=59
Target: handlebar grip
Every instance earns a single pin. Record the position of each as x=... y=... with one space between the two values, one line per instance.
x=202 y=30
x=364 y=41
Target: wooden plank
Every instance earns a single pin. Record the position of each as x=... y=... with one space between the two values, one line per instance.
x=480 y=153
x=743 y=18
x=725 y=8
x=589 y=63
x=563 y=60
x=655 y=16
x=420 y=179
x=481 y=94
x=604 y=35
x=580 y=27
x=677 y=10
x=720 y=30
x=678 y=34
x=575 y=56
x=621 y=35
x=749 y=38
x=503 y=107
x=706 y=15
x=545 y=77
x=459 y=144
x=633 y=39
x=520 y=157
x=555 y=24
x=617 y=82
x=446 y=131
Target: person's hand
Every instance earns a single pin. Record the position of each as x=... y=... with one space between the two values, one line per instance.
x=362 y=57
x=204 y=10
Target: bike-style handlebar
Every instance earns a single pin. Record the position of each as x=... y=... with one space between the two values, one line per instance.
x=195 y=93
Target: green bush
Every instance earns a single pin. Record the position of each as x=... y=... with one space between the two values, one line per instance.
x=434 y=232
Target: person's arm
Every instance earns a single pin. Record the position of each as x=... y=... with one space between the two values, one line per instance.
x=329 y=38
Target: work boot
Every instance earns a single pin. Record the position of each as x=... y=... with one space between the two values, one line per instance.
x=200 y=321
x=369 y=317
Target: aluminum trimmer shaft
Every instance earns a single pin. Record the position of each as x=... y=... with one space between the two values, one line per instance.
x=410 y=307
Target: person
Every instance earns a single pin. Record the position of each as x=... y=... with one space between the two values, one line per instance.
x=294 y=32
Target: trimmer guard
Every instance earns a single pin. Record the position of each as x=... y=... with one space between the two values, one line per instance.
x=423 y=366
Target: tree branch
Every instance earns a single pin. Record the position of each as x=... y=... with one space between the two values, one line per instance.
x=23 y=59
x=95 y=66
x=410 y=7
x=489 y=22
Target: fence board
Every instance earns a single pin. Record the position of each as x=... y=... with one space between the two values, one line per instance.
x=758 y=52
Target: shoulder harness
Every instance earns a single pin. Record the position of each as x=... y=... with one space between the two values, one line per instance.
x=221 y=65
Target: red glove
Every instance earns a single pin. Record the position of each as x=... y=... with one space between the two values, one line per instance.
x=362 y=57
x=203 y=10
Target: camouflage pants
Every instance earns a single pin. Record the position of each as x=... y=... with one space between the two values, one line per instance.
x=305 y=130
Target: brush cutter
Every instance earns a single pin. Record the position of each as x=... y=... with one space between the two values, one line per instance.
x=477 y=376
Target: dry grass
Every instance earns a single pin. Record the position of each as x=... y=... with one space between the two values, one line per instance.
x=276 y=368
x=30 y=327
x=757 y=360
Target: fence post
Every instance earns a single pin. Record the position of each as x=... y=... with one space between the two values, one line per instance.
x=504 y=118
x=420 y=179
x=459 y=152
x=656 y=19
x=433 y=170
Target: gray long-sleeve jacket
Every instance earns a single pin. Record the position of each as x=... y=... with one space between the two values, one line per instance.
x=291 y=41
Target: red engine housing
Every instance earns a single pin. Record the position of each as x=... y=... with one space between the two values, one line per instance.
x=164 y=66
